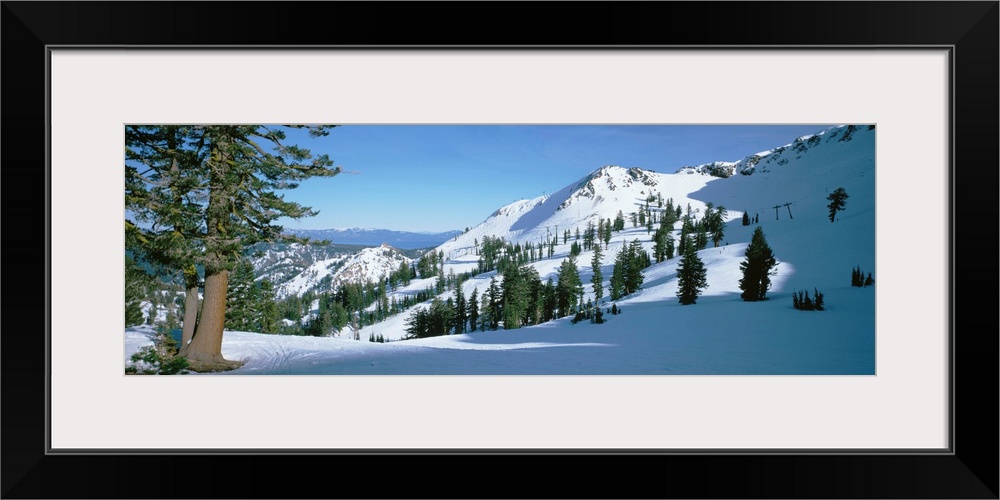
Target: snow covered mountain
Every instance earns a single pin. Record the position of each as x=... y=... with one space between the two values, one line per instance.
x=368 y=264
x=782 y=155
x=602 y=194
x=281 y=262
x=375 y=237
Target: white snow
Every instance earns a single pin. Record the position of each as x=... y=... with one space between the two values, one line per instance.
x=654 y=335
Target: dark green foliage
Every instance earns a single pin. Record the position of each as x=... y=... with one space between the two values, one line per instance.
x=137 y=284
x=241 y=298
x=691 y=277
x=757 y=268
x=461 y=314
x=838 y=199
x=473 y=309
x=746 y=219
x=158 y=359
x=858 y=278
x=170 y=168
x=598 y=279
x=598 y=316
x=619 y=223
x=626 y=276
x=268 y=318
x=491 y=306
x=569 y=287
x=522 y=297
x=802 y=301
x=432 y=321
x=616 y=287
x=701 y=237
x=715 y=223
x=663 y=242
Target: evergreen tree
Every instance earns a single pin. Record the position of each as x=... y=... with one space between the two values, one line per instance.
x=636 y=259
x=757 y=268
x=598 y=316
x=569 y=288
x=216 y=190
x=669 y=217
x=269 y=317
x=590 y=234
x=701 y=237
x=818 y=302
x=417 y=324
x=626 y=275
x=515 y=296
x=439 y=285
x=717 y=224
x=616 y=286
x=137 y=282
x=746 y=219
x=663 y=243
x=869 y=281
x=838 y=199
x=598 y=279
x=494 y=306
x=241 y=299
x=549 y=301
x=691 y=277
x=461 y=316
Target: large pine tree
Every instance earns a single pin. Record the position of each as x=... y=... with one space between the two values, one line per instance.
x=757 y=268
x=691 y=277
x=205 y=194
x=838 y=200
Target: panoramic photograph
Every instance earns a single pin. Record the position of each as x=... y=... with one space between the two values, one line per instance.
x=500 y=249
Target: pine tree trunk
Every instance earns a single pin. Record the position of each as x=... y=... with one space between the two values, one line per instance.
x=206 y=347
x=205 y=350
x=191 y=304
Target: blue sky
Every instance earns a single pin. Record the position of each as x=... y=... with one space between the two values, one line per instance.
x=432 y=178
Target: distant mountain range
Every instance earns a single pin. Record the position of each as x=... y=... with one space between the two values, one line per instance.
x=375 y=237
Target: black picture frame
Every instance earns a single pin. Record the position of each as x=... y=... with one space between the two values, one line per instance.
x=970 y=29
